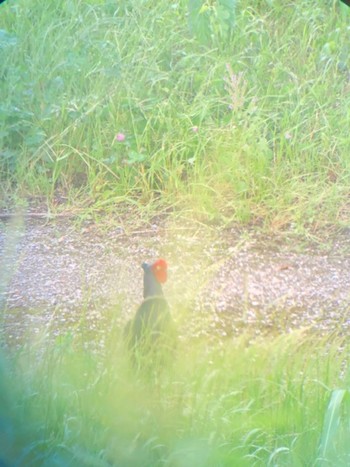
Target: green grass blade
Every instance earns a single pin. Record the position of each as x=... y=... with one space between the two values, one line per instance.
x=332 y=424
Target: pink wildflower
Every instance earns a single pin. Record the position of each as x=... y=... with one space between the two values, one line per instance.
x=120 y=137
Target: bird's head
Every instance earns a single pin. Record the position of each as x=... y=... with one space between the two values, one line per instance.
x=160 y=270
x=155 y=274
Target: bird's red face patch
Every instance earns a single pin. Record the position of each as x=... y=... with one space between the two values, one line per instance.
x=159 y=269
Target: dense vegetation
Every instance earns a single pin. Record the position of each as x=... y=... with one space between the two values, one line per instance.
x=226 y=404
x=232 y=110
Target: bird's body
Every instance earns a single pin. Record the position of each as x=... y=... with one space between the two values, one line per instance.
x=151 y=334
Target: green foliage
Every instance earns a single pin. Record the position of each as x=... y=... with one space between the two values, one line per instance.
x=334 y=448
x=212 y=21
x=229 y=403
x=234 y=111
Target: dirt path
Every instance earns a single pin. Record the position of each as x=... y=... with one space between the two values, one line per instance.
x=232 y=279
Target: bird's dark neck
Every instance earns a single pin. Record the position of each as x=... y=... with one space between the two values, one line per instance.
x=151 y=287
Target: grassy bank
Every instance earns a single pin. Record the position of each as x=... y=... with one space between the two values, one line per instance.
x=106 y=104
x=227 y=404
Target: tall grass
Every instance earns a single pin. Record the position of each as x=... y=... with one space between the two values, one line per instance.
x=241 y=126
x=228 y=403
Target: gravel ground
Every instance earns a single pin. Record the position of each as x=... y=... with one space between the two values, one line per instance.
x=220 y=282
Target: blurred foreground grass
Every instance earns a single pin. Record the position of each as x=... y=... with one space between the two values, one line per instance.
x=229 y=403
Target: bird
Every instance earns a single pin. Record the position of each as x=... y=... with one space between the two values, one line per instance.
x=150 y=334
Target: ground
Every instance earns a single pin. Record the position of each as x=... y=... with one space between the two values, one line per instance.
x=220 y=281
